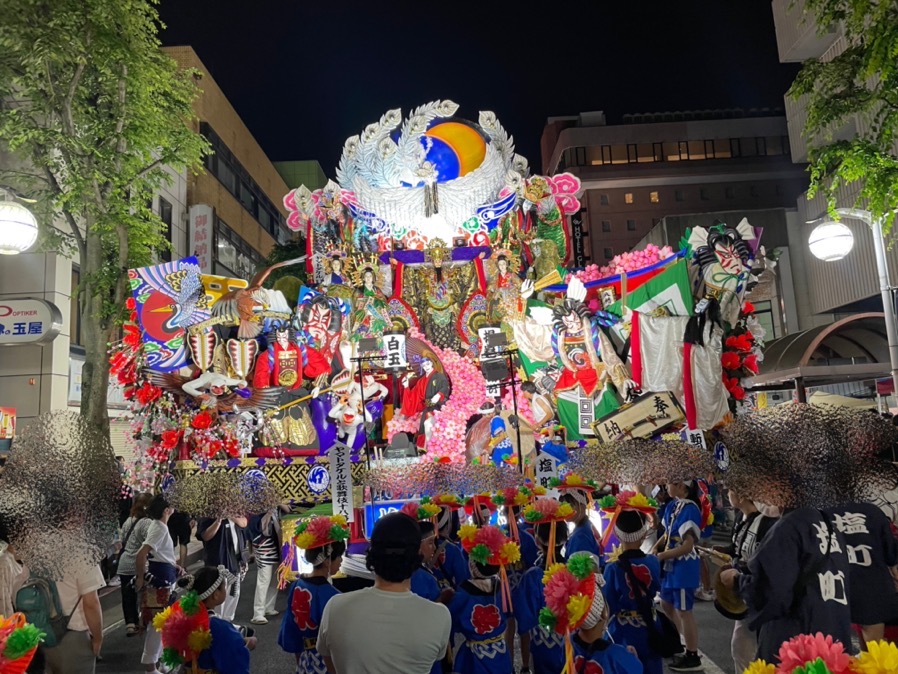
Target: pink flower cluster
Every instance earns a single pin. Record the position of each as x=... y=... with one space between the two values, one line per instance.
x=524 y=409
x=468 y=394
x=804 y=648
x=625 y=262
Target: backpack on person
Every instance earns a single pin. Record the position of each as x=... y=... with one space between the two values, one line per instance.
x=38 y=599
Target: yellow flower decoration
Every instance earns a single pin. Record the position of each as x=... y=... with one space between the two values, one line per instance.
x=511 y=552
x=467 y=532
x=430 y=509
x=573 y=479
x=340 y=520
x=304 y=540
x=639 y=501
x=577 y=606
x=710 y=519
x=199 y=640
x=552 y=570
x=539 y=491
x=521 y=499
x=160 y=618
x=881 y=657
x=564 y=510
x=760 y=667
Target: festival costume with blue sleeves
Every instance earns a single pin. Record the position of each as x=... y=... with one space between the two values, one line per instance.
x=626 y=625
x=228 y=653
x=451 y=569
x=681 y=576
x=503 y=445
x=546 y=647
x=478 y=616
x=299 y=627
x=584 y=538
x=529 y=555
x=603 y=657
x=424 y=584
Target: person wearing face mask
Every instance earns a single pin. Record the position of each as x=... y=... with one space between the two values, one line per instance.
x=323 y=540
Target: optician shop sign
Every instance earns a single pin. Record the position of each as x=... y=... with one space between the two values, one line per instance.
x=28 y=321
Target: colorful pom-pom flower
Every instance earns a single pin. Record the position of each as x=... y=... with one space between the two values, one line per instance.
x=316 y=532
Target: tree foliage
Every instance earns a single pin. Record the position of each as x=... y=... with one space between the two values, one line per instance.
x=96 y=116
x=860 y=84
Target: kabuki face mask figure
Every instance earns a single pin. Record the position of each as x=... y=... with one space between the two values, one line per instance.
x=283 y=337
x=573 y=324
x=369 y=279
x=336 y=265
x=502 y=264
x=427 y=366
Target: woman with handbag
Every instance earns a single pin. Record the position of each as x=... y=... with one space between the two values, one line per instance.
x=132 y=534
x=631 y=583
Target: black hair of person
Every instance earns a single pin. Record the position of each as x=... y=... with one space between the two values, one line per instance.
x=427 y=529
x=157 y=507
x=542 y=531
x=693 y=493
x=202 y=579
x=337 y=549
x=487 y=570
x=453 y=524
x=528 y=387
x=630 y=521
x=394 y=553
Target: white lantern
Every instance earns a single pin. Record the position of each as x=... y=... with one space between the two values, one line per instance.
x=831 y=241
x=18 y=228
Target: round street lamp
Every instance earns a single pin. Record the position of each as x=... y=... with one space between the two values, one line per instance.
x=831 y=241
x=18 y=228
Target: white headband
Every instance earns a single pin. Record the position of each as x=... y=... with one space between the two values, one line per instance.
x=632 y=536
x=597 y=608
x=224 y=576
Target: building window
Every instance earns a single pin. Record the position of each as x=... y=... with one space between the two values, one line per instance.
x=735 y=147
x=603 y=199
x=632 y=157
x=671 y=152
x=658 y=151
x=653 y=197
x=609 y=253
x=631 y=225
x=730 y=192
x=606 y=154
x=606 y=225
x=628 y=198
x=683 y=149
x=679 y=196
x=645 y=152
x=696 y=149
x=774 y=146
x=779 y=190
x=703 y=194
x=580 y=156
x=753 y=191
x=165 y=214
x=762 y=146
x=709 y=149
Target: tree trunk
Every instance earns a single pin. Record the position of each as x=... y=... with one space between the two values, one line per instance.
x=97 y=334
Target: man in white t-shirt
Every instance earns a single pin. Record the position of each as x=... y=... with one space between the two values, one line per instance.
x=77 y=652
x=386 y=628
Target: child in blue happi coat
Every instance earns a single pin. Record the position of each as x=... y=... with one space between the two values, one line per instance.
x=576 y=609
x=577 y=492
x=323 y=540
x=633 y=579
x=481 y=604
x=450 y=567
x=681 y=567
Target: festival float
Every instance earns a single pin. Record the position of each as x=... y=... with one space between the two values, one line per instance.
x=437 y=286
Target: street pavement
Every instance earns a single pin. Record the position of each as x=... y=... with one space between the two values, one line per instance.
x=121 y=654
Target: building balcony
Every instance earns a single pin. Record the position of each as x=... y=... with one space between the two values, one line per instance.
x=797 y=36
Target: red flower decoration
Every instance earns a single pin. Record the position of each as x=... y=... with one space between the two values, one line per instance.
x=148 y=393
x=750 y=363
x=232 y=448
x=748 y=308
x=581 y=665
x=202 y=420
x=730 y=360
x=130 y=303
x=131 y=335
x=486 y=618
x=301 y=607
x=170 y=439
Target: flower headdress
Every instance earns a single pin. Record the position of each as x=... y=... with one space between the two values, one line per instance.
x=573 y=598
x=579 y=487
x=18 y=642
x=451 y=501
x=551 y=511
x=514 y=262
x=423 y=510
x=489 y=545
x=626 y=500
x=515 y=497
x=185 y=630
x=480 y=501
x=312 y=533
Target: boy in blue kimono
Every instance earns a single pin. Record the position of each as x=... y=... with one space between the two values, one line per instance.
x=584 y=537
x=680 y=568
x=450 y=567
x=628 y=601
x=424 y=583
x=477 y=615
x=306 y=599
x=546 y=649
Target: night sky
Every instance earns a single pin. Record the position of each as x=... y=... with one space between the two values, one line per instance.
x=306 y=75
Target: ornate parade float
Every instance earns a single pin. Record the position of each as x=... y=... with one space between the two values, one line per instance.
x=438 y=322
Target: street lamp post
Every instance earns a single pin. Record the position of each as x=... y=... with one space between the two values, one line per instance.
x=829 y=242
x=18 y=228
